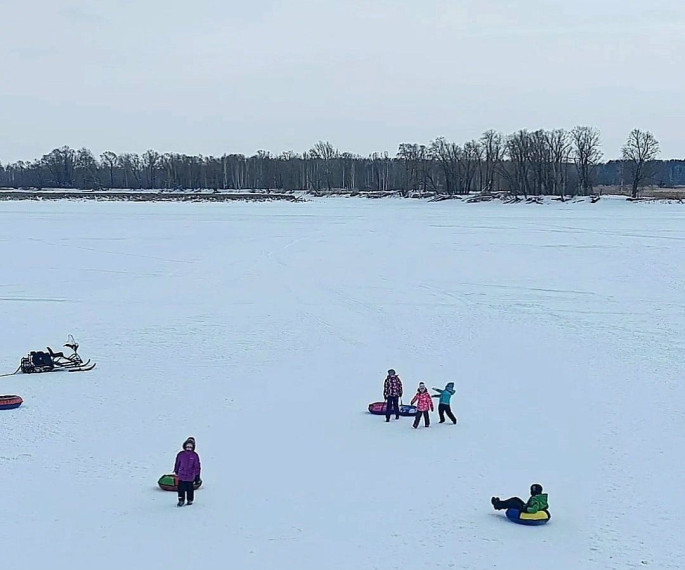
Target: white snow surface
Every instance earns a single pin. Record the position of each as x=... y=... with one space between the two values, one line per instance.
x=265 y=330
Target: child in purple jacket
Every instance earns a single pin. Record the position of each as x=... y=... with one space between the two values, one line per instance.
x=187 y=468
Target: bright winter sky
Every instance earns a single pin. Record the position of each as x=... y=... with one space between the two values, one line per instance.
x=215 y=76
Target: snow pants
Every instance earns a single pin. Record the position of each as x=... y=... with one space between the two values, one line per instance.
x=513 y=503
x=445 y=409
x=392 y=403
x=426 y=419
x=186 y=488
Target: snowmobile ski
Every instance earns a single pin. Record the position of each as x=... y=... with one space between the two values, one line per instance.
x=86 y=367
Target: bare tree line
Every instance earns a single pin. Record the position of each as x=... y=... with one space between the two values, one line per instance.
x=525 y=163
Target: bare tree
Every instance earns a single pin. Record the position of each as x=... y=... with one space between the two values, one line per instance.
x=519 y=149
x=86 y=169
x=586 y=156
x=559 y=146
x=324 y=153
x=151 y=160
x=470 y=159
x=639 y=153
x=287 y=171
x=132 y=168
x=493 y=154
x=408 y=153
x=348 y=162
x=446 y=154
x=16 y=173
x=540 y=163
x=60 y=163
x=380 y=171
x=110 y=161
x=416 y=161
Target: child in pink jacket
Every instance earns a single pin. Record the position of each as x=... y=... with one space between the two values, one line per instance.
x=423 y=404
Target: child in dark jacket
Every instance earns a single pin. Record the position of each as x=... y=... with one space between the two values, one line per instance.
x=444 y=405
x=537 y=501
x=187 y=469
x=392 y=392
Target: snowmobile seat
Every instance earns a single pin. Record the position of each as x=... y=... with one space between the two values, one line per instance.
x=39 y=358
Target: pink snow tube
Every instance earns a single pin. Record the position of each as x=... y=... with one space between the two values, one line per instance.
x=10 y=402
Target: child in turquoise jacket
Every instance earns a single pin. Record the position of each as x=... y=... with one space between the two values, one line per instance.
x=444 y=406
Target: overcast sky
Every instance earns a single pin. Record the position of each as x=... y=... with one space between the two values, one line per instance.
x=215 y=76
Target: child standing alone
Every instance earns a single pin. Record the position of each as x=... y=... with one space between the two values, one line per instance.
x=187 y=468
x=423 y=404
x=444 y=405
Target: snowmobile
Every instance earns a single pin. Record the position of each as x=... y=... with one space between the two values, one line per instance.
x=38 y=361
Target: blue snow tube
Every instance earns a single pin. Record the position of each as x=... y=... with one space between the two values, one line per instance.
x=378 y=409
x=528 y=519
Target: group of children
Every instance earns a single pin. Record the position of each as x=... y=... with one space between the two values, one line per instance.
x=392 y=392
x=187 y=466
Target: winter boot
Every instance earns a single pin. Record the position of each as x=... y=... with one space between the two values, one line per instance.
x=180 y=503
x=190 y=503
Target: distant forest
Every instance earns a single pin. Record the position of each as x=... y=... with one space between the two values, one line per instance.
x=530 y=163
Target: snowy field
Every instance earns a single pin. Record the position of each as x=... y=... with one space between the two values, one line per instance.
x=264 y=330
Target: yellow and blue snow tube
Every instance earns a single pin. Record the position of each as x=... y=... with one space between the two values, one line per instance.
x=529 y=519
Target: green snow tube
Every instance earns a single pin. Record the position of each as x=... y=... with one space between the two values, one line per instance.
x=169 y=482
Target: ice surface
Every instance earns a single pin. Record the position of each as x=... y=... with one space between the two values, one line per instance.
x=264 y=330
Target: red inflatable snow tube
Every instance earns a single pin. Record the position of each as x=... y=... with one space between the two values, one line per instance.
x=10 y=402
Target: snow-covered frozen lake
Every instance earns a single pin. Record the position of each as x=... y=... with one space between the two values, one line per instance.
x=264 y=330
